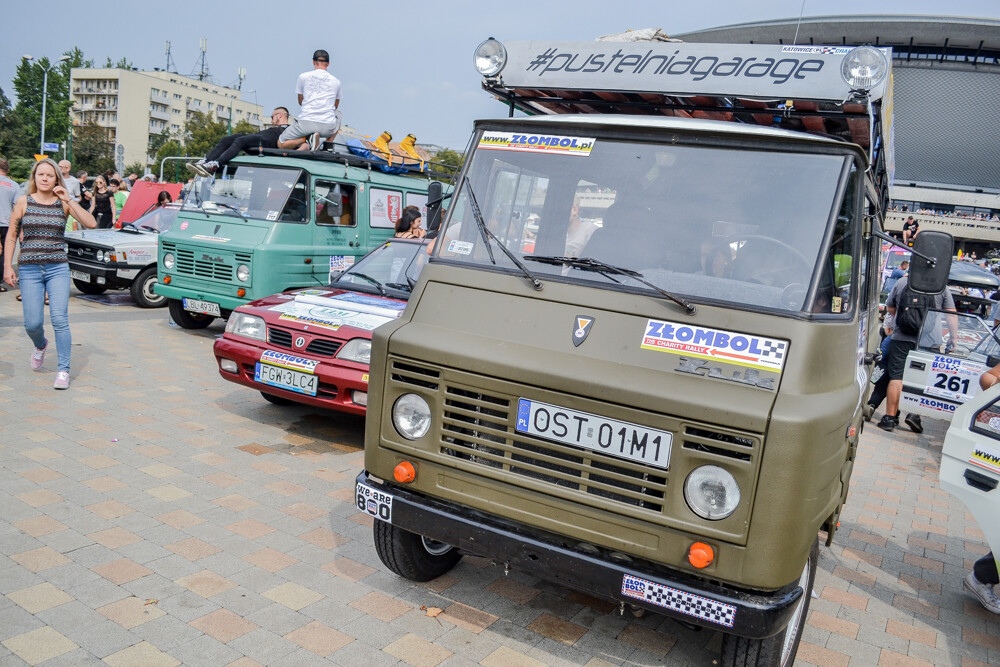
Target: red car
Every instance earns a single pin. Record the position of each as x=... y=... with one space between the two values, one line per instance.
x=313 y=345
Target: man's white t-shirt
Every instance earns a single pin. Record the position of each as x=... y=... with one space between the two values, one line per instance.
x=320 y=91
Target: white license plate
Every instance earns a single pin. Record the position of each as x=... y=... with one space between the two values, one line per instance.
x=80 y=275
x=374 y=502
x=581 y=429
x=207 y=307
x=286 y=378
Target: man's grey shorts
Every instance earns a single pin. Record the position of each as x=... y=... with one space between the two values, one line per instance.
x=306 y=128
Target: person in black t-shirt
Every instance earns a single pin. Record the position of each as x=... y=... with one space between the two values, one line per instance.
x=910 y=229
x=230 y=146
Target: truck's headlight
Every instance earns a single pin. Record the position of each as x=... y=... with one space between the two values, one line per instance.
x=711 y=492
x=243 y=273
x=107 y=257
x=411 y=416
x=358 y=350
x=250 y=326
x=864 y=67
x=491 y=57
x=168 y=261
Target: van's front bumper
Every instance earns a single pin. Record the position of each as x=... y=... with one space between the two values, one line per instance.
x=654 y=587
x=226 y=302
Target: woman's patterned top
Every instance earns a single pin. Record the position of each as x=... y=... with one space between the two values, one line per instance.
x=44 y=228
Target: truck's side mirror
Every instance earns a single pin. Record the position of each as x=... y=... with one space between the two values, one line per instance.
x=334 y=202
x=923 y=277
x=433 y=206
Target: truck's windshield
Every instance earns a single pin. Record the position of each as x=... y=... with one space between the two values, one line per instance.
x=263 y=193
x=715 y=224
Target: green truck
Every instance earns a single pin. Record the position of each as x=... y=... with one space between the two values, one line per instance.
x=636 y=361
x=275 y=221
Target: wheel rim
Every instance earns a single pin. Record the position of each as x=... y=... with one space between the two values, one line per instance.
x=789 y=638
x=435 y=548
x=149 y=294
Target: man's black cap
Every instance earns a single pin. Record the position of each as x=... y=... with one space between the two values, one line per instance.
x=321 y=56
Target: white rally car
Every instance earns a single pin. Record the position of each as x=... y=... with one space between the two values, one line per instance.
x=943 y=372
x=103 y=259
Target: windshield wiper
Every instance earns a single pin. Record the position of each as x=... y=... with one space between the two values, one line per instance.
x=597 y=266
x=368 y=278
x=488 y=235
x=152 y=229
x=229 y=207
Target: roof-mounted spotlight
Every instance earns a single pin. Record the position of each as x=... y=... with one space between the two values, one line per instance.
x=864 y=67
x=490 y=58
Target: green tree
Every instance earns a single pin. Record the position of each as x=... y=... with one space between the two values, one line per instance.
x=201 y=133
x=169 y=148
x=449 y=160
x=245 y=127
x=91 y=149
x=123 y=63
x=137 y=167
x=29 y=83
x=13 y=137
x=20 y=168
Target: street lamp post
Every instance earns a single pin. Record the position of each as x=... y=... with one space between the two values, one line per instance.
x=45 y=91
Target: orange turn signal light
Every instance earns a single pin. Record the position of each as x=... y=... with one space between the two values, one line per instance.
x=166 y=280
x=700 y=555
x=241 y=292
x=404 y=472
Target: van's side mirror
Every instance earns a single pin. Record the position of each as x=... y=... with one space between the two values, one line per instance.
x=923 y=277
x=334 y=202
x=433 y=206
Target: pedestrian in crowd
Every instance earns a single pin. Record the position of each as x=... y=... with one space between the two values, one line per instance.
x=408 y=225
x=9 y=192
x=163 y=198
x=230 y=146
x=318 y=93
x=896 y=274
x=909 y=310
x=880 y=376
x=119 y=194
x=132 y=178
x=43 y=267
x=102 y=204
x=72 y=184
x=910 y=229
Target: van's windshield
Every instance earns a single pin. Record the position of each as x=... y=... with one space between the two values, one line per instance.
x=711 y=224
x=251 y=192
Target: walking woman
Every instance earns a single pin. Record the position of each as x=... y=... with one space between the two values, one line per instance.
x=102 y=205
x=40 y=219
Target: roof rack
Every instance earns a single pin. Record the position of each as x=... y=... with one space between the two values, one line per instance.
x=345 y=157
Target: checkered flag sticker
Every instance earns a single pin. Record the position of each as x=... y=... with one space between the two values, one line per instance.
x=704 y=608
x=772 y=349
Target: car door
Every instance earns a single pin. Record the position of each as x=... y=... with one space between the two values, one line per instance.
x=338 y=240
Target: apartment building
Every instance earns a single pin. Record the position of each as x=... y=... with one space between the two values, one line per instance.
x=132 y=105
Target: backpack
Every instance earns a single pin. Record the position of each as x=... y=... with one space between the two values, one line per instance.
x=911 y=310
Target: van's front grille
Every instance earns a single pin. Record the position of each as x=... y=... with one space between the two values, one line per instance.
x=206 y=263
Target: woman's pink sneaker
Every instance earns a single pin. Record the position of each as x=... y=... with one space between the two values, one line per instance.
x=62 y=380
x=37 y=357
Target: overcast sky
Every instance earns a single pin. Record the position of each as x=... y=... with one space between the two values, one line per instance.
x=406 y=67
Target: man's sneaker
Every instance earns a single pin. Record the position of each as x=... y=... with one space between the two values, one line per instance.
x=888 y=423
x=868 y=411
x=196 y=168
x=37 y=357
x=913 y=421
x=210 y=168
x=986 y=593
x=314 y=141
x=62 y=380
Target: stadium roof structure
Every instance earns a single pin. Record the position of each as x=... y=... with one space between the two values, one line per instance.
x=946 y=78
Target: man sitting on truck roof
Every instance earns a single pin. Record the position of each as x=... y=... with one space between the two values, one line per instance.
x=319 y=95
x=230 y=146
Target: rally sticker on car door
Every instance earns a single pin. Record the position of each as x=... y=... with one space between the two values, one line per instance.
x=723 y=346
x=954 y=379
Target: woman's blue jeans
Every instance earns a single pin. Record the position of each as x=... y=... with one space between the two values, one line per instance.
x=36 y=280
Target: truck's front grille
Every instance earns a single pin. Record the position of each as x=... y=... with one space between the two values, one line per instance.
x=205 y=263
x=477 y=427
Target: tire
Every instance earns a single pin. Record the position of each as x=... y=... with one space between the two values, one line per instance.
x=142 y=290
x=411 y=556
x=779 y=650
x=88 y=288
x=277 y=400
x=185 y=319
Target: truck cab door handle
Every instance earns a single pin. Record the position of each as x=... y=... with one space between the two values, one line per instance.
x=978 y=480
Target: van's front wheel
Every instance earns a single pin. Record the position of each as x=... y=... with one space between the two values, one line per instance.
x=412 y=556
x=185 y=319
x=780 y=649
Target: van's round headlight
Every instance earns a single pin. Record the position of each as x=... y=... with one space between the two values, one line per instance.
x=864 y=67
x=168 y=261
x=411 y=416
x=243 y=273
x=711 y=492
x=491 y=56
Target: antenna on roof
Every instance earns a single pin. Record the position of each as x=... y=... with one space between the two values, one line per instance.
x=795 y=40
x=171 y=65
x=202 y=67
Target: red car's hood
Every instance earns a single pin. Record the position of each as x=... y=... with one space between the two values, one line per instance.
x=334 y=312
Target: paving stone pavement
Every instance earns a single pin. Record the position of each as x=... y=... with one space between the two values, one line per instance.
x=156 y=515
